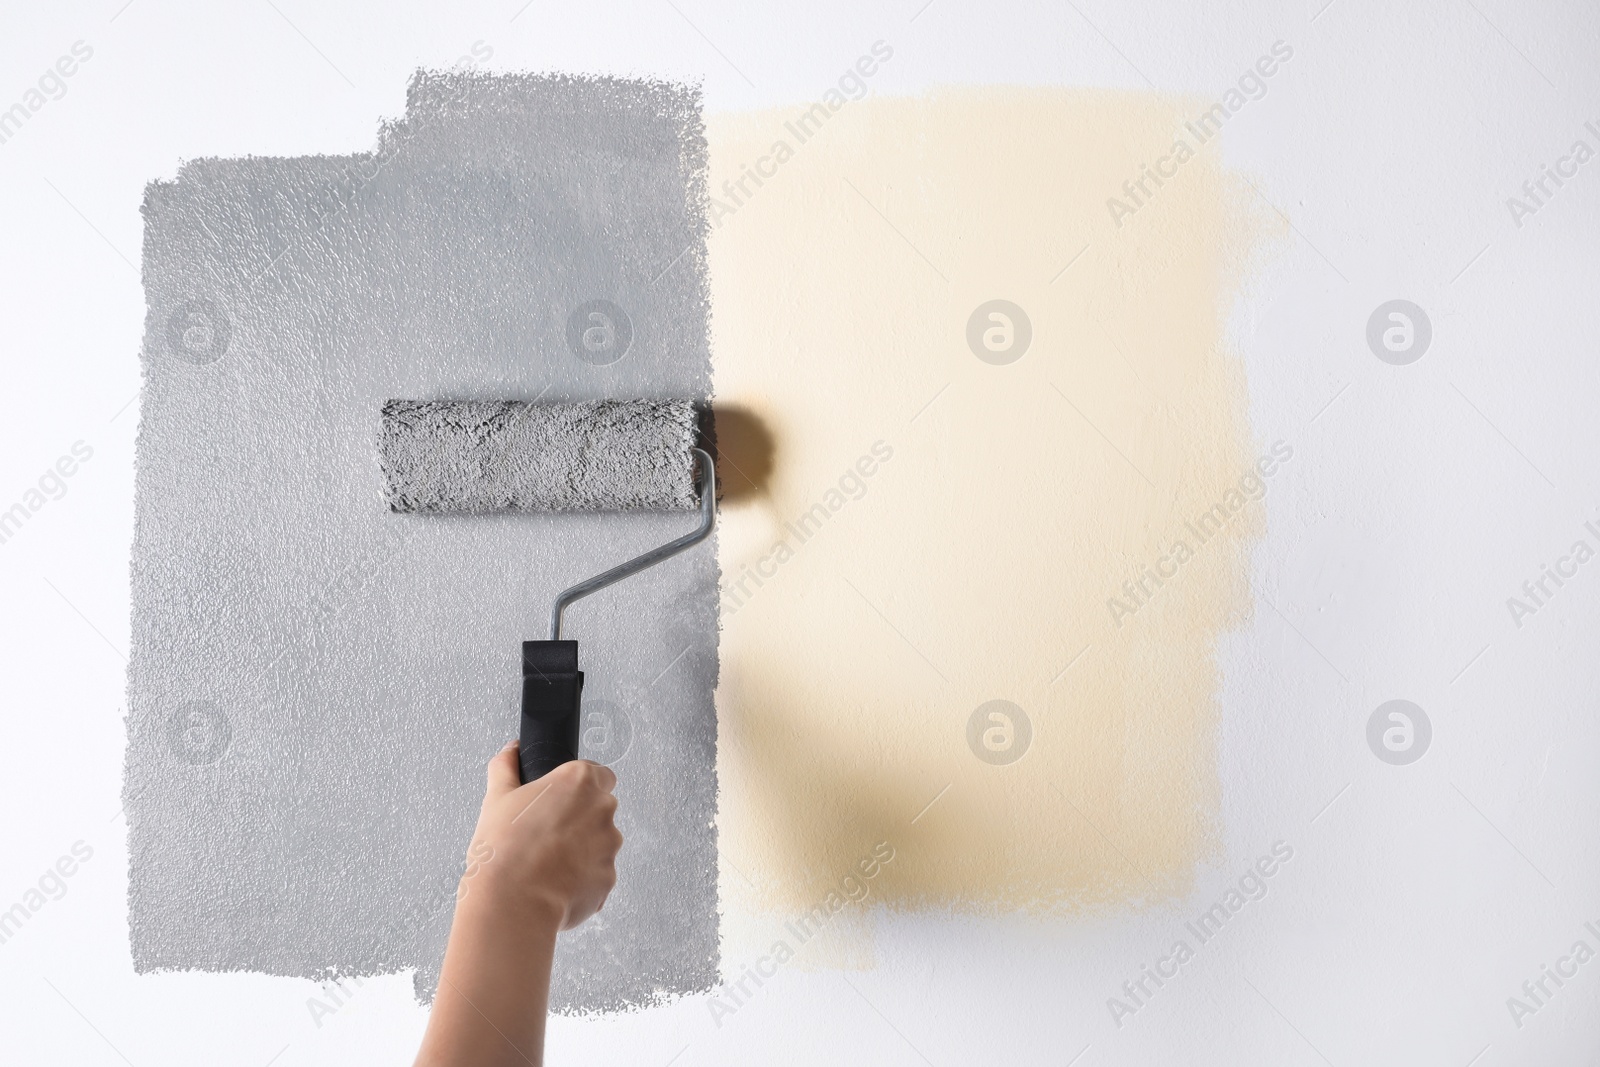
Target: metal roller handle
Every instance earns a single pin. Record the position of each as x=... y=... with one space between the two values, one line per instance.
x=708 y=521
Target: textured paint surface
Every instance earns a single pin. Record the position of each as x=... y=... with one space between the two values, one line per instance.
x=316 y=683
x=942 y=530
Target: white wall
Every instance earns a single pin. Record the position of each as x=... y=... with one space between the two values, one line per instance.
x=1419 y=897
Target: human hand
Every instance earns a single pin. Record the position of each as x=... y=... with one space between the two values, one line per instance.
x=553 y=841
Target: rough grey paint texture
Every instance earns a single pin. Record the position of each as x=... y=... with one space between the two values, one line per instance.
x=474 y=456
x=316 y=682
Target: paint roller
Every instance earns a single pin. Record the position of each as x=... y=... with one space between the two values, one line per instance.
x=480 y=457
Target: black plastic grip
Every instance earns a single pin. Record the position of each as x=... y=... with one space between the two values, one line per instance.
x=552 y=692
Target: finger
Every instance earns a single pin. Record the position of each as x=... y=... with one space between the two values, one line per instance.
x=505 y=773
x=604 y=776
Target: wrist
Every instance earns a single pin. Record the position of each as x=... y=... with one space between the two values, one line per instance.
x=489 y=896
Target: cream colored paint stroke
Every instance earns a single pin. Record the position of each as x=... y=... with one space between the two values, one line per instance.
x=1005 y=506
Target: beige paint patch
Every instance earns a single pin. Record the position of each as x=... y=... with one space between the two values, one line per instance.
x=937 y=532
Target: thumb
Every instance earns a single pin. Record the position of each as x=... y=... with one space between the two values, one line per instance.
x=505 y=773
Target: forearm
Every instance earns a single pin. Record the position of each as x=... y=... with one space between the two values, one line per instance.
x=494 y=986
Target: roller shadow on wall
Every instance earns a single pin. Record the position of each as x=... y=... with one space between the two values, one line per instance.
x=745 y=452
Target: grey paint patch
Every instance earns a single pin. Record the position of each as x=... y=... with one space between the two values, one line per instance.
x=474 y=456
x=316 y=682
